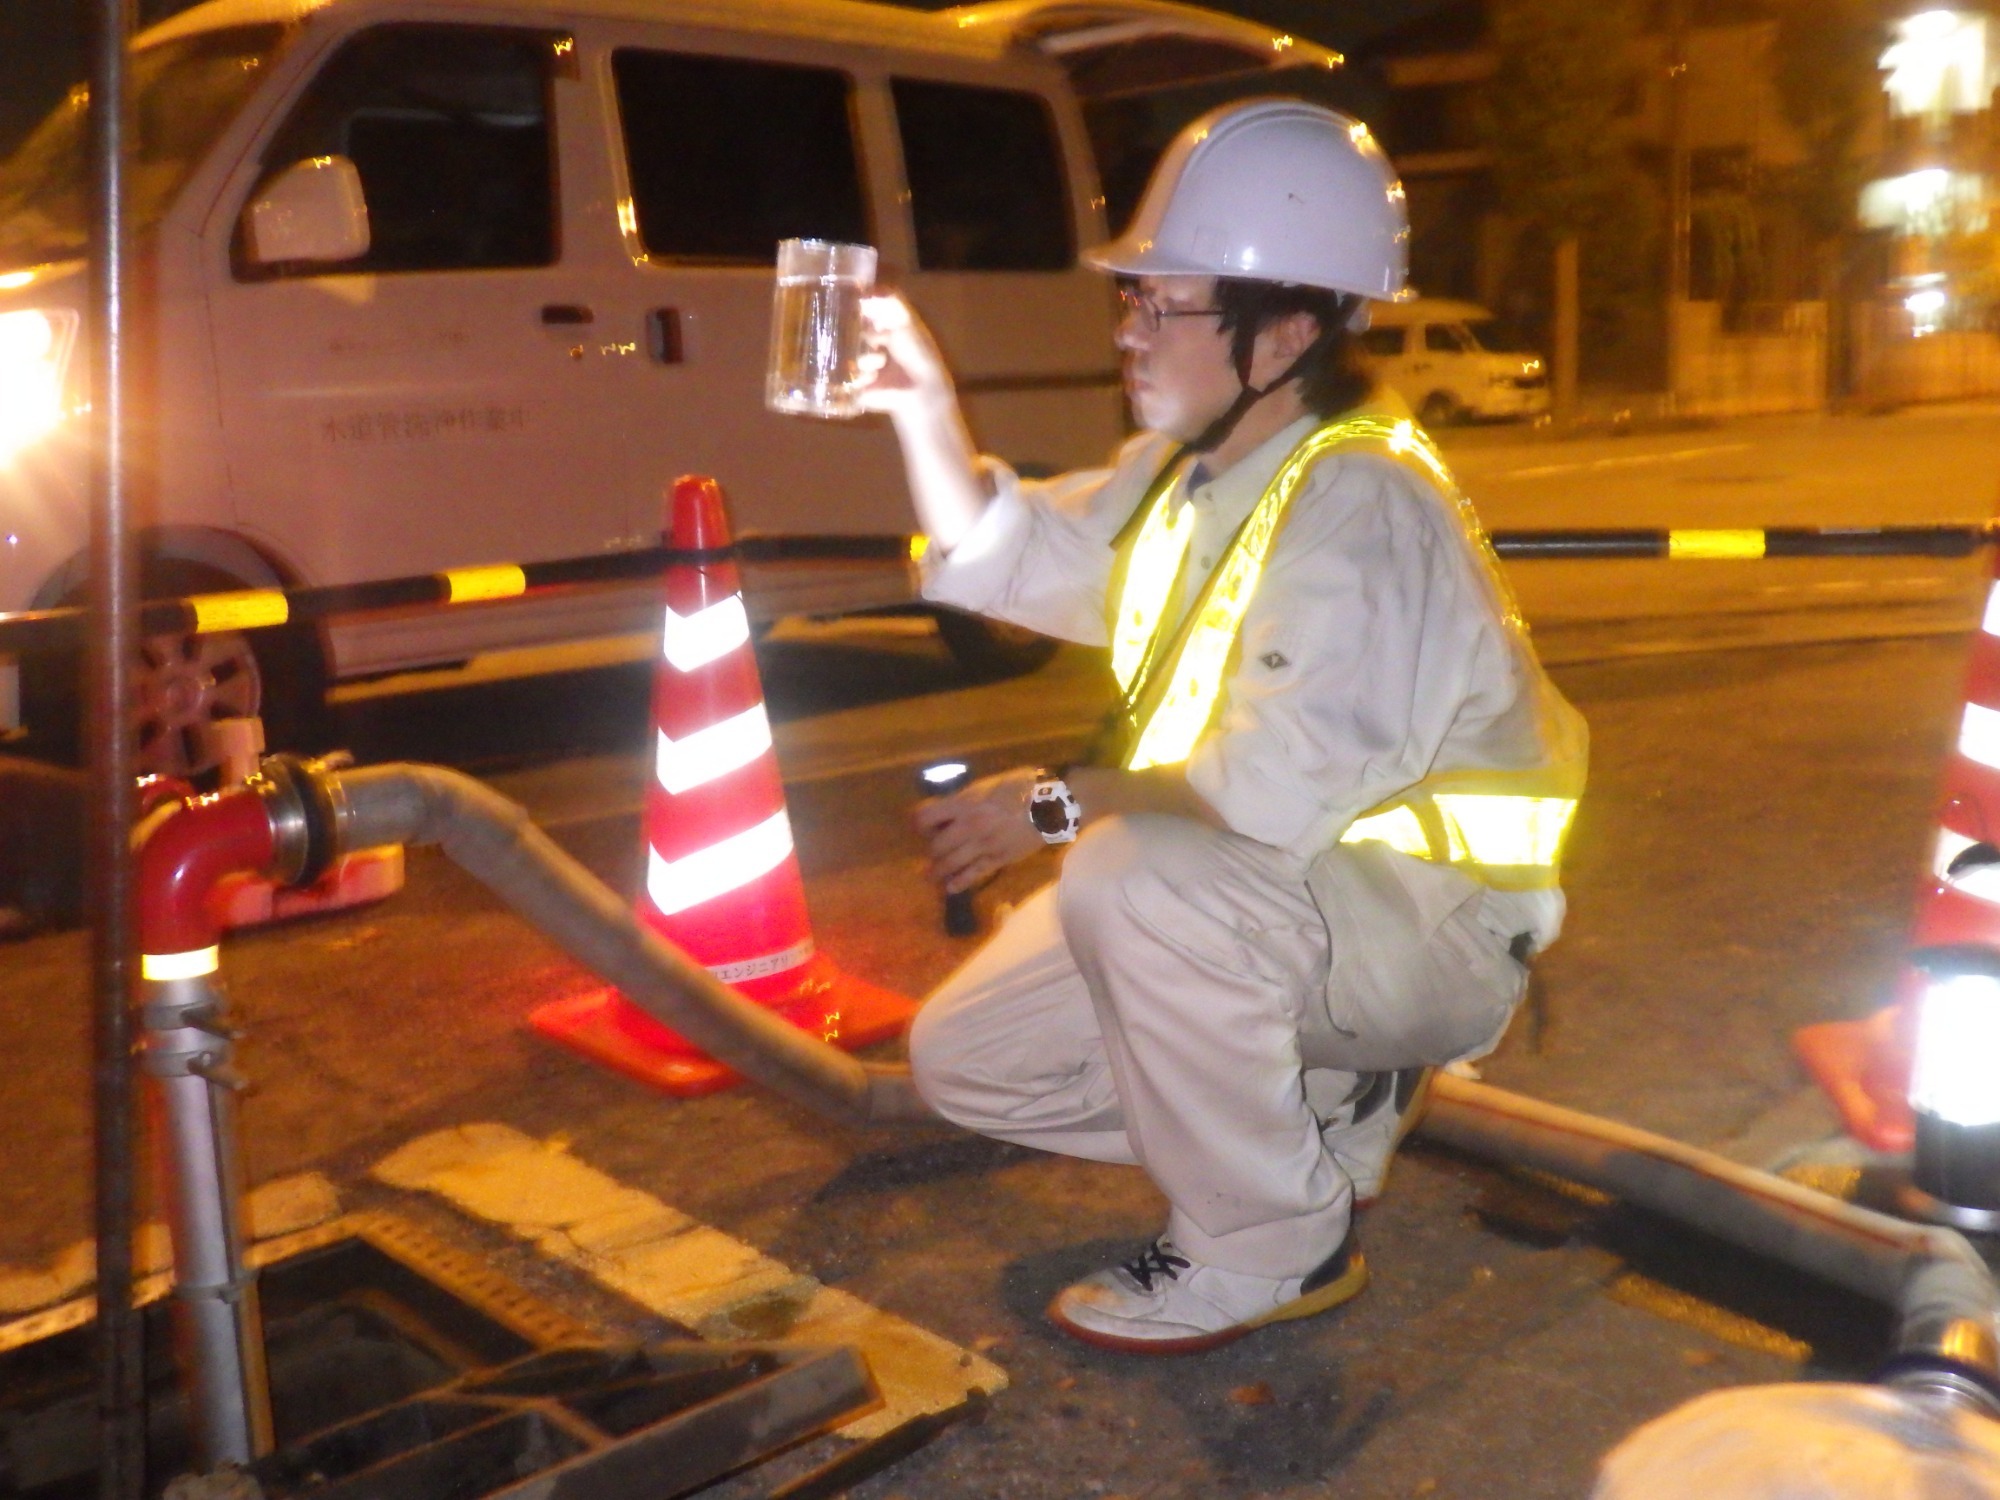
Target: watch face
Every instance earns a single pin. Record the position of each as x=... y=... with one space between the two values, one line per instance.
x=1048 y=814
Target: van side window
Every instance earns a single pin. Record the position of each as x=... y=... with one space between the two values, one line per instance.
x=449 y=128
x=987 y=187
x=1447 y=338
x=728 y=157
x=1383 y=343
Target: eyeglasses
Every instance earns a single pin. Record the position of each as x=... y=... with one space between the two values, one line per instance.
x=1149 y=314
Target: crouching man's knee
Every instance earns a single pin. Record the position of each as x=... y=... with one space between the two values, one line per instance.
x=1127 y=869
x=942 y=1048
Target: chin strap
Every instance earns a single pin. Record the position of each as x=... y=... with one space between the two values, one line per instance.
x=1217 y=432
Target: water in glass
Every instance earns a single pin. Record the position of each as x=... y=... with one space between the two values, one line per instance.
x=814 y=367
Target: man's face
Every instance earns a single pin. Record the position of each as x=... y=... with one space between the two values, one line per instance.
x=1178 y=374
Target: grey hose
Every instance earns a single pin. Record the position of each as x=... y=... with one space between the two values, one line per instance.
x=1936 y=1281
x=494 y=840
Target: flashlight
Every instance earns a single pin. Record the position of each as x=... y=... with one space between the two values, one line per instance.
x=941 y=779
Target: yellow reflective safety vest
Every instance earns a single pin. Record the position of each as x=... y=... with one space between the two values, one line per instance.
x=1505 y=826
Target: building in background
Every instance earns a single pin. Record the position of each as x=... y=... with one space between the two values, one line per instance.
x=1747 y=251
x=1938 y=189
x=1921 y=257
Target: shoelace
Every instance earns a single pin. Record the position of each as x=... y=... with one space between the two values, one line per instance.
x=1156 y=1261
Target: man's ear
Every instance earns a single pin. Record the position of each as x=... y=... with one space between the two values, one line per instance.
x=1280 y=342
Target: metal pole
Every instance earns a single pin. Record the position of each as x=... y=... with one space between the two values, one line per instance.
x=121 y=1374
x=188 y=1053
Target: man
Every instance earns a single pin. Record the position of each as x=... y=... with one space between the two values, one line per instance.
x=1320 y=840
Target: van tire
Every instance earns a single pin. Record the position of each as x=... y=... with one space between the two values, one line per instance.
x=183 y=680
x=1439 y=410
x=989 y=650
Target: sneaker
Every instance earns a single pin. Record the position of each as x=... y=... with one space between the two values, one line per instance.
x=1164 y=1303
x=1389 y=1105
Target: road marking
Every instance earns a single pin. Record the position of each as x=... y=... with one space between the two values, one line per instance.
x=1622 y=461
x=1926 y=583
x=1678 y=1306
x=285 y=1214
x=697 y=1276
x=278 y=1207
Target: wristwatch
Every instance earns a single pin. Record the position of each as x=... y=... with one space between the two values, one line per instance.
x=1052 y=807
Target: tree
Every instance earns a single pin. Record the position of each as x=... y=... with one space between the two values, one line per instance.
x=1824 y=70
x=1565 y=72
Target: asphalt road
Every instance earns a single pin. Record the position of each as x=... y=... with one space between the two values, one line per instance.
x=1923 y=466
x=1742 y=866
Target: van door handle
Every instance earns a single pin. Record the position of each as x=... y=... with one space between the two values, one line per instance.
x=565 y=314
x=663 y=335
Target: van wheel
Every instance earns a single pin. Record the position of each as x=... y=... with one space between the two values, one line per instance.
x=1439 y=410
x=992 y=649
x=182 y=682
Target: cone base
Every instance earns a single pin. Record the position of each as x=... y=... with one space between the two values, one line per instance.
x=608 y=1029
x=1848 y=1060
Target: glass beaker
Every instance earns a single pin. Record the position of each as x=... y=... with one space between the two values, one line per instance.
x=814 y=369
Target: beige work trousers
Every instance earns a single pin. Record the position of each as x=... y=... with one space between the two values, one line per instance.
x=1199 y=1004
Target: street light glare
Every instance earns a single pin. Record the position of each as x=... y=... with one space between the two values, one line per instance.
x=1939 y=64
x=33 y=351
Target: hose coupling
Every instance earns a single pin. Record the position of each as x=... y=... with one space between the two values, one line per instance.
x=303 y=801
x=1960 y=1369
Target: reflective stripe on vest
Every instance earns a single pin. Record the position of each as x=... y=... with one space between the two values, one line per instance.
x=1505 y=826
x=1511 y=840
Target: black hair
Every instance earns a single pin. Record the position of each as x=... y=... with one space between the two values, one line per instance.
x=1330 y=374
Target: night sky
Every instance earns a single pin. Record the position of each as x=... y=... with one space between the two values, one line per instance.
x=41 y=42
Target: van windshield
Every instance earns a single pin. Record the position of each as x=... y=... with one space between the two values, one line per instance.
x=184 y=94
x=1499 y=336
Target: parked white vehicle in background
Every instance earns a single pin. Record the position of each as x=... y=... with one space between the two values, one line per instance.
x=438 y=283
x=1449 y=361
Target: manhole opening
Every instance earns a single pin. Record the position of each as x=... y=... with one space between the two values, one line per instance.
x=349 y=1327
x=402 y=1369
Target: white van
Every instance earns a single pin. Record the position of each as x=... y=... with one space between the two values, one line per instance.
x=1452 y=364
x=436 y=283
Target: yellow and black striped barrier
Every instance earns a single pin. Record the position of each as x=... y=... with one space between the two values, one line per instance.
x=263 y=609
x=1742 y=543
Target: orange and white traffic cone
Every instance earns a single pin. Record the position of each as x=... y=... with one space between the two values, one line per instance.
x=1864 y=1066
x=722 y=881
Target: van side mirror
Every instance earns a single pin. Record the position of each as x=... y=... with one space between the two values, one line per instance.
x=312 y=211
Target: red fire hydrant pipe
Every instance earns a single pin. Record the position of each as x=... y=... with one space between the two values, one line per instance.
x=184 y=854
x=185 y=848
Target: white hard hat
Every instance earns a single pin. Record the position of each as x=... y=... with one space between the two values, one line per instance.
x=1270 y=190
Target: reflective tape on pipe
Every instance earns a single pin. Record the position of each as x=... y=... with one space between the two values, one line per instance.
x=1685 y=546
x=242 y=609
x=162 y=967
x=468 y=585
